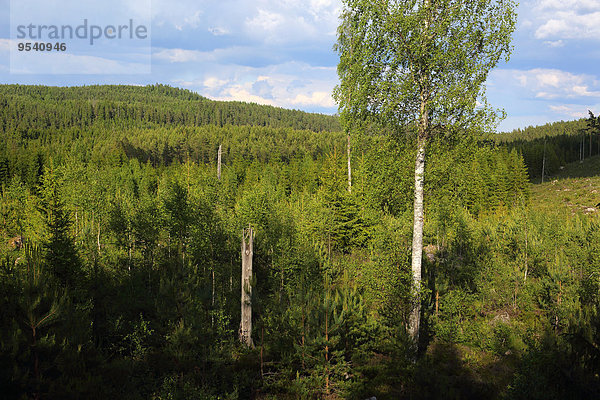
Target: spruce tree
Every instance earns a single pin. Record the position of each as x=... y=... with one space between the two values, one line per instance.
x=61 y=256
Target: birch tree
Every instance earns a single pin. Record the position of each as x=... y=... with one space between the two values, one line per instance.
x=417 y=69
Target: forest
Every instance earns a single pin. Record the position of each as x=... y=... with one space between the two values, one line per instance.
x=120 y=262
x=551 y=146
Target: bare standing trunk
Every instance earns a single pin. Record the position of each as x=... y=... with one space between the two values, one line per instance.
x=349 y=168
x=212 y=301
x=246 y=318
x=544 y=161
x=129 y=249
x=219 y=163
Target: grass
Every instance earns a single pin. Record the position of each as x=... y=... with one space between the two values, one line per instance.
x=575 y=188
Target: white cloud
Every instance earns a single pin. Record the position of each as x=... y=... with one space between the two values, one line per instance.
x=555 y=20
x=322 y=99
x=214 y=82
x=569 y=110
x=239 y=93
x=179 y=55
x=265 y=21
x=553 y=83
x=570 y=25
x=290 y=85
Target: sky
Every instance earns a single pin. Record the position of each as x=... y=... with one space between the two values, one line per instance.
x=280 y=52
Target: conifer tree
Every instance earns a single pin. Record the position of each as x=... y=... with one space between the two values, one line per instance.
x=61 y=256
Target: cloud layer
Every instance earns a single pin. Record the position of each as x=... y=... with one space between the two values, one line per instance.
x=267 y=52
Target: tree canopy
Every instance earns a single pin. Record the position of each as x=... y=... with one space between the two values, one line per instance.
x=401 y=60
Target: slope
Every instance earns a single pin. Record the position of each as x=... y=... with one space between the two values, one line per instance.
x=576 y=187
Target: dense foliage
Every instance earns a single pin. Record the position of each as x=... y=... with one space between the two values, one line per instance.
x=120 y=262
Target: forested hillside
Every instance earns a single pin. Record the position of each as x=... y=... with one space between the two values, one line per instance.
x=552 y=146
x=120 y=261
x=33 y=110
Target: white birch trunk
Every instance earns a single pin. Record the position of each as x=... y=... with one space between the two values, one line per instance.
x=417 y=244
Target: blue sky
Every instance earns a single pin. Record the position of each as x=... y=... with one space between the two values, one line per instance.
x=279 y=52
